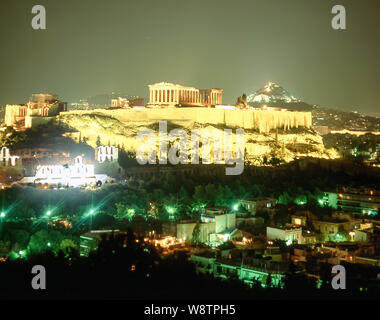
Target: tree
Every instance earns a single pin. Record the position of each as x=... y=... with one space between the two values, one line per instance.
x=98 y=142
x=124 y=211
x=38 y=242
x=211 y=193
x=269 y=281
x=25 y=212
x=199 y=195
x=19 y=236
x=196 y=236
x=54 y=240
x=68 y=246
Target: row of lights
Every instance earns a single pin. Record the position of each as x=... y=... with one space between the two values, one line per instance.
x=2 y=214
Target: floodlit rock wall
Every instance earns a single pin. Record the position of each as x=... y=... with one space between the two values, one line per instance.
x=120 y=128
x=261 y=120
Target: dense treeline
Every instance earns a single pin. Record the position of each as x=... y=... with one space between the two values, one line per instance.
x=123 y=268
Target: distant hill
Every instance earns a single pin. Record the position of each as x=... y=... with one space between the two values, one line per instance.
x=273 y=95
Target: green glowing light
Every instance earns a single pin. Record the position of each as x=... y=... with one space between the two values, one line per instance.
x=92 y=211
x=131 y=211
x=171 y=210
x=2 y=214
x=49 y=244
x=21 y=252
x=236 y=207
x=48 y=213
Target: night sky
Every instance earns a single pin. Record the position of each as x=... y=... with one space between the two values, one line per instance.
x=92 y=47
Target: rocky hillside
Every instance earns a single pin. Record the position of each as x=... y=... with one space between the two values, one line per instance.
x=274 y=95
x=276 y=146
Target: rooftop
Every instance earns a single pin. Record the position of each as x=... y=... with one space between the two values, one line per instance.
x=259 y=199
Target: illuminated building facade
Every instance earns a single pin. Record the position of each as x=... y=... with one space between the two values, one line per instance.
x=39 y=109
x=223 y=221
x=76 y=175
x=120 y=103
x=254 y=204
x=213 y=228
x=248 y=270
x=362 y=202
x=166 y=94
x=298 y=220
x=288 y=234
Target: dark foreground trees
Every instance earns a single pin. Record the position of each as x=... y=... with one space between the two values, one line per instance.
x=127 y=269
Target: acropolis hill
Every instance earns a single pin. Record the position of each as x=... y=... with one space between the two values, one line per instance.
x=268 y=132
x=173 y=102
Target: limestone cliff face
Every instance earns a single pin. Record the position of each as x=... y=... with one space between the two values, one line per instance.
x=261 y=120
x=120 y=128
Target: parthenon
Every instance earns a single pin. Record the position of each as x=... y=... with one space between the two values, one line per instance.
x=165 y=94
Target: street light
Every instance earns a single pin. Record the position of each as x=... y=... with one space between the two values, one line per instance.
x=2 y=214
x=48 y=213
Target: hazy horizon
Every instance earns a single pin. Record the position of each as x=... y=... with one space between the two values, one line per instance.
x=94 y=47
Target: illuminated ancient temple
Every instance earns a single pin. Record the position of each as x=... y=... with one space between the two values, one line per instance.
x=166 y=94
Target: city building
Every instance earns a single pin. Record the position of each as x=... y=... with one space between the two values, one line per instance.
x=258 y=204
x=213 y=228
x=204 y=261
x=356 y=201
x=166 y=94
x=299 y=220
x=185 y=230
x=120 y=102
x=335 y=229
x=248 y=270
x=76 y=175
x=40 y=109
x=288 y=234
x=223 y=221
x=90 y=240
